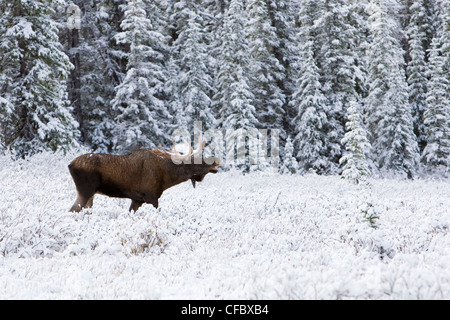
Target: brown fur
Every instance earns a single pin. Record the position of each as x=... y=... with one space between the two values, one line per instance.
x=141 y=176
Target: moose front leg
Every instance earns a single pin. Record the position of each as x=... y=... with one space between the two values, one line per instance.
x=150 y=198
x=141 y=199
x=135 y=205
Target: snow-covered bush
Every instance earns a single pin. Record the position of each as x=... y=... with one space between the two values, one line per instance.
x=116 y=231
x=34 y=218
x=28 y=233
x=310 y=236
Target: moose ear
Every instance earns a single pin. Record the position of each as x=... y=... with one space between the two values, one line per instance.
x=193 y=182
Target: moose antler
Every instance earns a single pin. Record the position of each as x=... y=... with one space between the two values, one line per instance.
x=201 y=146
x=174 y=154
x=179 y=156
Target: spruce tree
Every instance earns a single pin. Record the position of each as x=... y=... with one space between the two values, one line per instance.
x=308 y=101
x=233 y=95
x=33 y=73
x=437 y=116
x=266 y=71
x=6 y=107
x=191 y=81
x=6 y=117
x=445 y=36
x=389 y=114
x=142 y=117
x=283 y=16
x=100 y=65
x=290 y=164
x=233 y=98
x=355 y=163
x=417 y=68
x=339 y=33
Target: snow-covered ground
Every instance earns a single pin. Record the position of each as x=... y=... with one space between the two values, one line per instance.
x=255 y=236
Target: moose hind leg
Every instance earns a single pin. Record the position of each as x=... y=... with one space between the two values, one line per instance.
x=78 y=204
x=82 y=202
x=90 y=202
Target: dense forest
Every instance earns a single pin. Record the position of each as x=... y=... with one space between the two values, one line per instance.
x=351 y=86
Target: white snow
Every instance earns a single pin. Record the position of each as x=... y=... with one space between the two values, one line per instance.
x=255 y=236
x=23 y=27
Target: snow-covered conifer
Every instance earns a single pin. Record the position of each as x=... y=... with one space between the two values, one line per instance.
x=339 y=33
x=445 y=13
x=308 y=100
x=290 y=164
x=394 y=145
x=192 y=82
x=233 y=97
x=33 y=73
x=233 y=93
x=266 y=71
x=437 y=116
x=417 y=68
x=6 y=119
x=142 y=117
x=99 y=67
x=357 y=146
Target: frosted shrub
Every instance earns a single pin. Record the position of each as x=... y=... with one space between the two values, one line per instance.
x=30 y=224
x=34 y=221
x=147 y=241
x=369 y=214
x=138 y=234
x=110 y=232
x=25 y=234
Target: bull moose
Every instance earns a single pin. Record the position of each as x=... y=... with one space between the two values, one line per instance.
x=141 y=176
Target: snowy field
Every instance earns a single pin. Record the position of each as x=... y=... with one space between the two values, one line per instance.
x=256 y=236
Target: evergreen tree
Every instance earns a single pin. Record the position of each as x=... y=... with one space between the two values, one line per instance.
x=197 y=83
x=33 y=73
x=417 y=68
x=338 y=36
x=234 y=98
x=266 y=71
x=282 y=15
x=191 y=82
x=389 y=113
x=290 y=164
x=6 y=107
x=142 y=116
x=445 y=36
x=437 y=116
x=357 y=146
x=233 y=95
x=99 y=67
x=308 y=100
x=6 y=117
